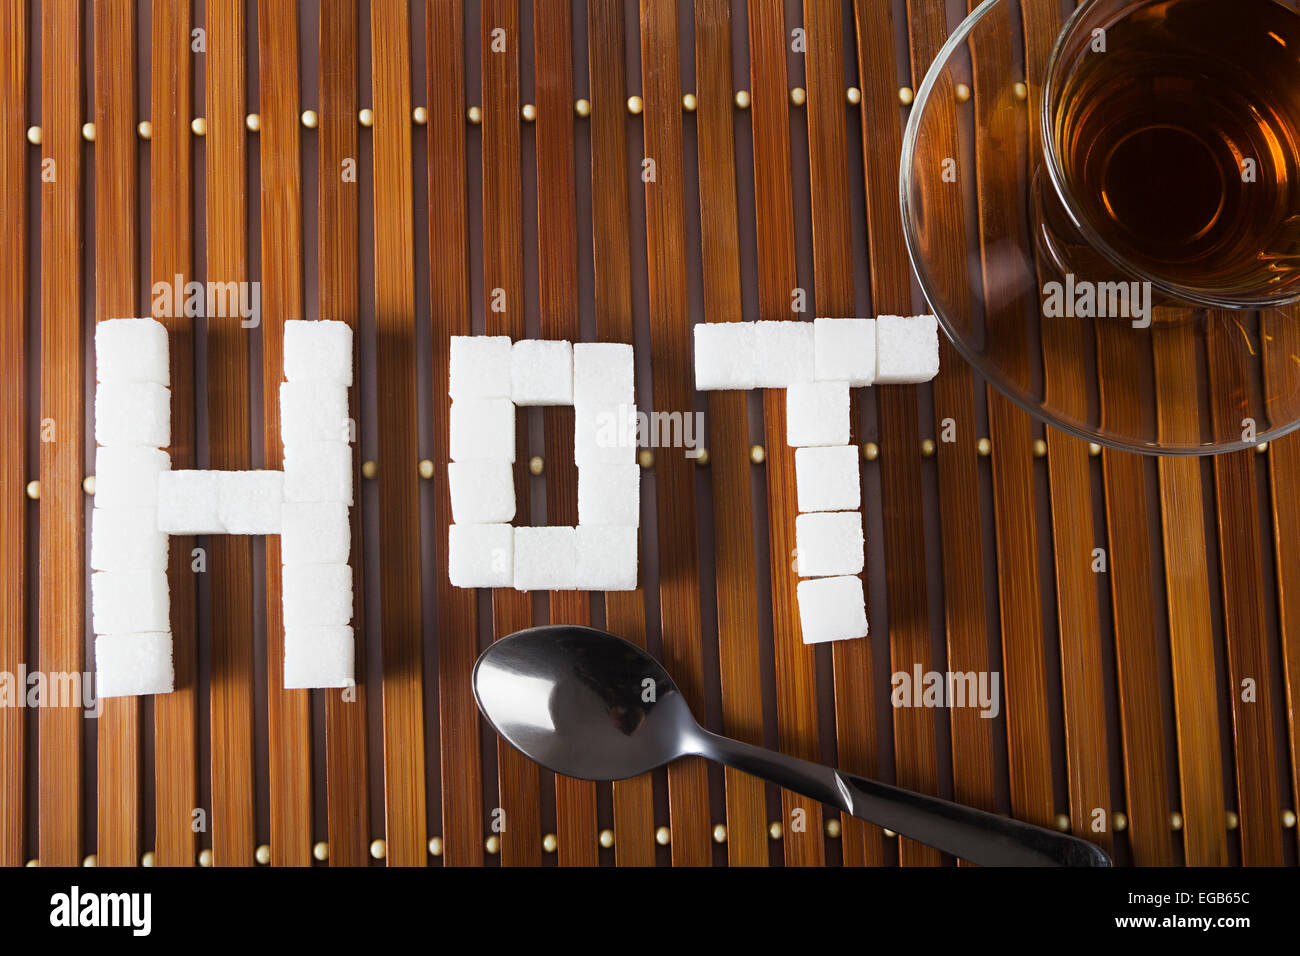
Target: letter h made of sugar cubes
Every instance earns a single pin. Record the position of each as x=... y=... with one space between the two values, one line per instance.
x=817 y=363
x=140 y=502
x=490 y=377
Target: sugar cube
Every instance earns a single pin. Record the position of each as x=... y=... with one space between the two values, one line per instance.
x=123 y=602
x=318 y=352
x=315 y=532
x=316 y=595
x=541 y=372
x=481 y=555
x=188 y=503
x=126 y=539
x=844 y=350
x=132 y=350
x=130 y=665
x=817 y=413
x=248 y=502
x=604 y=434
x=482 y=429
x=545 y=559
x=604 y=373
x=133 y=413
x=126 y=476
x=318 y=471
x=607 y=557
x=726 y=355
x=314 y=411
x=482 y=492
x=907 y=349
x=609 y=495
x=832 y=609
x=783 y=353
x=319 y=657
x=479 y=366
x=828 y=543
x=827 y=479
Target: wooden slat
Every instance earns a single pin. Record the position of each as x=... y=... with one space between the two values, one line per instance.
x=503 y=269
x=398 y=480
x=1187 y=583
x=796 y=677
x=1019 y=586
x=13 y=418
x=915 y=754
x=61 y=603
x=1077 y=609
x=738 y=633
x=171 y=254
x=557 y=265
x=116 y=277
x=832 y=230
x=288 y=711
x=230 y=563
x=673 y=388
x=1241 y=568
x=346 y=759
x=1281 y=349
x=612 y=264
x=961 y=531
x=462 y=804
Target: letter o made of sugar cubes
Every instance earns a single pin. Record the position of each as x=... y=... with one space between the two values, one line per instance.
x=546 y=559
x=479 y=366
x=481 y=555
x=482 y=429
x=817 y=413
x=607 y=557
x=832 y=609
x=482 y=492
x=133 y=413
x=609 y=495
x=132 y=350
x=604 y=373
x=541 y=372
x=318 y=351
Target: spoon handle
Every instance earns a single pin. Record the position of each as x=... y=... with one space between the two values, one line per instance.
x=972 y=835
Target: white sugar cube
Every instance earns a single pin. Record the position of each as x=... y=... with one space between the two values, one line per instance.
x=130 y=665
x=844 y=350
x=907 y=349
x=126 y=476
x=827 y=479
x=318 y=352
x=607 y=558
x=481 y=555
x=188 y=503
x=123 y=602
x=316 y=595
x=783 y=353
x=482 y=492
x=604 y=373
x=829 y=542
x=541 y=372
x=726 y=355
x=479 y=366
x=126 y=539
x=817 y=413
x=315 y=532
x=133 y=413
x=319 y=657
x=604 y=434
x=314 y=411
x=318 y=471
x=132 y=350
x=609 y=495
x=482 y=429
x=832 y=609
x=248 y=502
x=545 y=559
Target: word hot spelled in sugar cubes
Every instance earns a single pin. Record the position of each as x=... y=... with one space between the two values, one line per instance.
x=140 y=501
x=818 y=363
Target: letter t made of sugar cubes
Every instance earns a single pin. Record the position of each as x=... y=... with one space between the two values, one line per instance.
x=818 y=363
x=490 y=377
x=140 y=501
